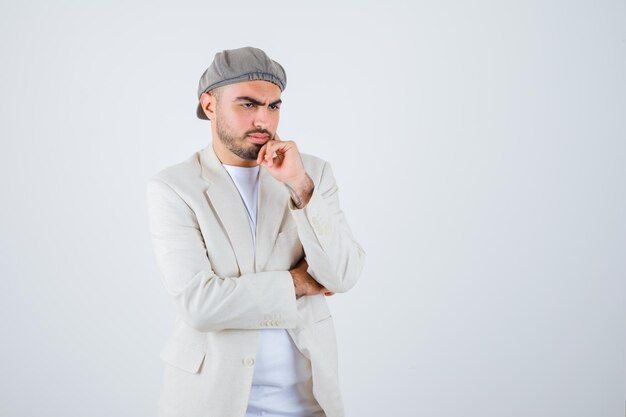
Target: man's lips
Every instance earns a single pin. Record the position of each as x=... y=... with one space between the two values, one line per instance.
x=260 y=139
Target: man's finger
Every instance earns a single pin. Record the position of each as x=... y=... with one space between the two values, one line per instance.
x=275 y=153
x=260 y=156
x=269 y=150
x=326 y=291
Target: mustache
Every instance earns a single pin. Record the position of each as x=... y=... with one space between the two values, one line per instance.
x=261 y=131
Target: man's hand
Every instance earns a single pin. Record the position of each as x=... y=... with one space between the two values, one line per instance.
x=287 y=167
x=304 y=282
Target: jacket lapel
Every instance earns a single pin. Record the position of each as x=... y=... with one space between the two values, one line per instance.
x=271 y=213
x=224 y=197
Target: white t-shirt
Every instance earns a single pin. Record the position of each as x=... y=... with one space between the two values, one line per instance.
x=281 y=383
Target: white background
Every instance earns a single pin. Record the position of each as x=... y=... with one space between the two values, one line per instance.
x=479 y=148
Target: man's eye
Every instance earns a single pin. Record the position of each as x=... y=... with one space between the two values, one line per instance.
x=274 y=107
x=245 y=105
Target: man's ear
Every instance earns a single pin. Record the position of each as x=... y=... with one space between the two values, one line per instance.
x=208 y=103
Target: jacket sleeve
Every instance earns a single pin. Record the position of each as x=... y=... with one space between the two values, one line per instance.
x=335 y=259
x=204 y=300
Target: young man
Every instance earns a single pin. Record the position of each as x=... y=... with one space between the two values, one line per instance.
x=249 y=238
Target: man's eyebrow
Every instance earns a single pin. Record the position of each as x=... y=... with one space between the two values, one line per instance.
x=257 y=102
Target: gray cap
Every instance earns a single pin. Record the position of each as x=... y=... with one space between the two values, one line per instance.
x=237 y=65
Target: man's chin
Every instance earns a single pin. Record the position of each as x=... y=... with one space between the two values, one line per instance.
x=250 y=153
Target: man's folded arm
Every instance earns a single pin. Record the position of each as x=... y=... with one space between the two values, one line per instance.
x=335 y=259
x=204 y=300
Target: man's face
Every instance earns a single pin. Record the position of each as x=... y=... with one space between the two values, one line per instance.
x=246 y=116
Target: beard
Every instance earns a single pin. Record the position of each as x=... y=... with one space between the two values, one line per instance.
x=239 y=145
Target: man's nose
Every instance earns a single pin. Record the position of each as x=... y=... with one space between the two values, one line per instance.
x=262 y=117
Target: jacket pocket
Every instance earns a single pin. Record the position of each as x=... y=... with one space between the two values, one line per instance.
x=287 y=236
x=186 y=357
x=317 y=320
x=319 y=308
x=287 y=250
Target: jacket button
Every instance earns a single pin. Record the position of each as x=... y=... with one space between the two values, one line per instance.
x=248 y=361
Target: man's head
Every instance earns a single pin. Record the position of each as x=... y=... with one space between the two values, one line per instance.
x=244 y=116
x=240 y=94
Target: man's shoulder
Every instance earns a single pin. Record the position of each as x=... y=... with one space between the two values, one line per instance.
x=318 y=168
x=312 y=162
x=181 y=173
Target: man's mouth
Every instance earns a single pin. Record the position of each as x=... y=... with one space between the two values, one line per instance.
x=259 y=138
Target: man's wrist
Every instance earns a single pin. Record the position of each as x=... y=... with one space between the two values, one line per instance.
x=301 y=191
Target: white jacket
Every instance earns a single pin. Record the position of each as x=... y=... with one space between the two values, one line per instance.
x=224 y=293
